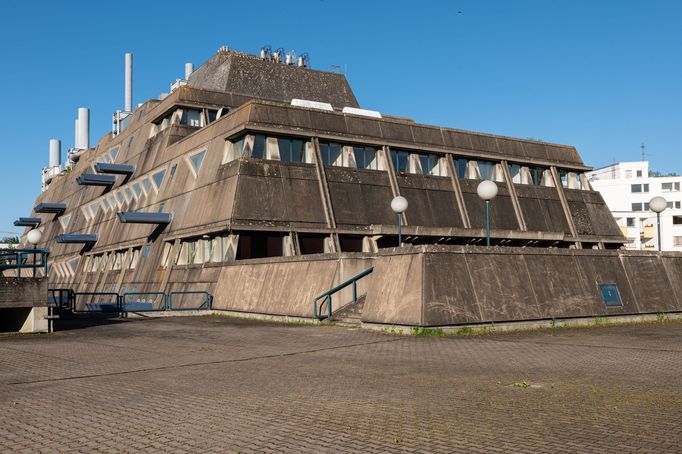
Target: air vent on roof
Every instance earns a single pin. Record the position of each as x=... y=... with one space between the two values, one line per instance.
x=363 y=112
x=312 y=104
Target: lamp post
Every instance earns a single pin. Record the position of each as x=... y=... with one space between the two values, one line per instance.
x=657 y=205
x=487 y=190
x=34 y=237
x=399 y=205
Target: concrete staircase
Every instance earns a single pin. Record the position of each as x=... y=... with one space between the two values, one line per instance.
x=350 y=314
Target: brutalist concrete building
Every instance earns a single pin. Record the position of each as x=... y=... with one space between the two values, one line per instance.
x=264 y=183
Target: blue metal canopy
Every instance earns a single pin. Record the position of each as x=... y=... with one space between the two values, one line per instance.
x=132 y=217
x=28 y=222
x=57 y=208
x=92 y=179
x=80 y=238
x=119 y=169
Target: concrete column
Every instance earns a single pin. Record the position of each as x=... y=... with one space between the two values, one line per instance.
x=564 y=204
x=457 y=189
x=514 y=196
x=324 y=191
x=395 y=187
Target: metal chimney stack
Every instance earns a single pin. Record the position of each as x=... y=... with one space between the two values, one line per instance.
x=83 y=128
x=55 y=153
x=128 y=82
x=189 y=69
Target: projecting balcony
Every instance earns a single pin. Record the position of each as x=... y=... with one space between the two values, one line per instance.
x=76 y=238
x=91 y=179
x=56 y=208
x=28 y=222
x=118 y=169
x=132 y=217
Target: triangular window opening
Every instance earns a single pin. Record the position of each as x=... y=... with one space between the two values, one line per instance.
x=64 y=220
x=158 y=178
x=196 y=160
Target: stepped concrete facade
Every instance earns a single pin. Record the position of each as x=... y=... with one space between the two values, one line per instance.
x=275 y=187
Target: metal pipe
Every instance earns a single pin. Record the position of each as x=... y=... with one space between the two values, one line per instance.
x=189 y=69
x=658 y=221
x=128 y=82
x=83 y=132
x=400 y=234
x=487 y=222
x=55 y=152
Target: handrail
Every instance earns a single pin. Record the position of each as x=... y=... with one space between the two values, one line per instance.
x=328 y=294
x=125 y=302
x=17 y=259
x=208 y=300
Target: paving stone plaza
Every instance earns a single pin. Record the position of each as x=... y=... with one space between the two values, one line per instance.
x=216 y=384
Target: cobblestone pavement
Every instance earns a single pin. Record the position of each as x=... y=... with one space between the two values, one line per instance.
x=213 y=384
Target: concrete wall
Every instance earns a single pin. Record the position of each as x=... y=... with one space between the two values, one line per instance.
x=432 y=285
x=286 y=286
x=23 y=304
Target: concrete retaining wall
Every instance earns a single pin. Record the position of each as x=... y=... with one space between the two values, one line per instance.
x=287 y=286
x=434 y=286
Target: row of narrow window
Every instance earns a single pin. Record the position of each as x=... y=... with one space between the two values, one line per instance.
x=137 y=190
x=259 y=146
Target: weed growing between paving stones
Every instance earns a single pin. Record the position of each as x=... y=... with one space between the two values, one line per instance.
x=427 y=332
x=662 y=316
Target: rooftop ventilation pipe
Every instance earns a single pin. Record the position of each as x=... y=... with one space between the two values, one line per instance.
x=83 y=128
x=55 y=153
x=189 y=69
x=128 y=82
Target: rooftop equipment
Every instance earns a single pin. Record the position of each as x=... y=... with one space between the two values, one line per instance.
x=133 y=217
x=265 y=52
x=76 y=238
x=56 y=208
x=362 y=112
x=128 y=82
x=92 y=179
x=277 y=55
x=189 y=69
x=312 y=104
x=303 y=60
x=28 y=222
x=118 y=169
x=55 y=153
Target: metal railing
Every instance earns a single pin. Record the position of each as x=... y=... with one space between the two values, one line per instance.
x=143 y=301
x=111 y=302
x=96 y=302
x=18 y=259
x=206 y=301
x=326 y=297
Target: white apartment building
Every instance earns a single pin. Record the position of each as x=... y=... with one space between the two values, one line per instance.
x=627 y=188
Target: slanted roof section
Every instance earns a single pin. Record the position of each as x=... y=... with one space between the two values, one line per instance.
x=248 y=75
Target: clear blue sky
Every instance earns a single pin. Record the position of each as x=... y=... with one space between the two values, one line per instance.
x=603 y=76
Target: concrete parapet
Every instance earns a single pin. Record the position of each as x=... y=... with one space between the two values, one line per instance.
x=23 y=304
x=287 y=285
x=457 y=285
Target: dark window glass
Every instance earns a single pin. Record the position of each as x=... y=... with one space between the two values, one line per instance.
x=350 y=243
x=259 y=244
x=536 y=175
x=429 y=164
x=635 y=188
x=486 y=169
x=365 y=157
x=311 y=244
x=331 y=153
x=258 y=151
x=212 y=115
x=292 y=150
x=639 y=173
x=461 y=167
x=636 y=207
x=400 y=159
x=630 y=222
